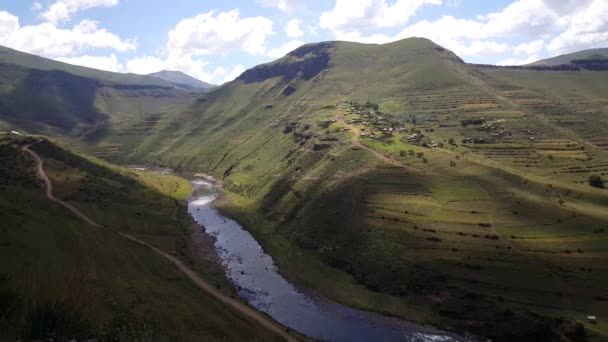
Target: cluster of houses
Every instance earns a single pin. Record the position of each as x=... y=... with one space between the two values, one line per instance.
x=376 y=126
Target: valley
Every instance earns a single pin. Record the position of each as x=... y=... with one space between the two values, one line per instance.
x=390 y=178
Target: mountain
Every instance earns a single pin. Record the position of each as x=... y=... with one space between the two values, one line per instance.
x=396 y=178
x=39 y=95
x=25 y=60
x=472 y=173
x=182 y=80
x=587 y=59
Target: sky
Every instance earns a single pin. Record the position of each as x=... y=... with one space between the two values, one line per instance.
x=215 y=41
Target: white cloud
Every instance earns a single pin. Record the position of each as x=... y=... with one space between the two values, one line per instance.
x=108 y=63
x=145 y=65
x=209 y=33
x=588 y=28
x=357 y=15
x=529 y=48
x=234 y=73
x=48 y=40
x=36 y=6
x=284 y=49
x=287 y=6
x=9 y=25
x=293 y=30
x=356 y=36
x=61 y=10
x=565 y=26
x=519 y=61
x=481 y=47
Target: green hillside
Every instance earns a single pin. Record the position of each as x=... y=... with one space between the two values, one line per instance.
x=585 y=55
x=397 y=178
x=430 y=189
x=39 y=95
x=61 y=279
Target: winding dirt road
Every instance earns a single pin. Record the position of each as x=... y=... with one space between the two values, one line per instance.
x=189 y=272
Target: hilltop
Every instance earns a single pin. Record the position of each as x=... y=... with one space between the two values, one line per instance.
x=182 y=80
x=590 y=57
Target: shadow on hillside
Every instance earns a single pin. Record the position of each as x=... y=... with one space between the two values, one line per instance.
x=52 y=100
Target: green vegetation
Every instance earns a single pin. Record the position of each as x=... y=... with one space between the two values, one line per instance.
x=62 y=279
x=398 y=179
x=38 y=95
x=596 y=181
x=590 y=54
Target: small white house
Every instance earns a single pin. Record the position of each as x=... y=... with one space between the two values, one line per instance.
x=592 y=319
x=15 y=133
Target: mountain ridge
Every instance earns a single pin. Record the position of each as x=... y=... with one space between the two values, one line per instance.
x=182 y=80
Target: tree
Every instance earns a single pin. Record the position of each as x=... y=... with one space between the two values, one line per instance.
x=451 y=141
x=596 y=181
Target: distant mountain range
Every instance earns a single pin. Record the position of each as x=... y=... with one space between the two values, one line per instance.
x=182 y=80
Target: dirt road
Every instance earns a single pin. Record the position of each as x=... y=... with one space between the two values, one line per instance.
x=190 y=273
x=357 y=142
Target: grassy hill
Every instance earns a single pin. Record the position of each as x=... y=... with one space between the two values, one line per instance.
x=585 y=55
x=469 y=208
x=39 y=95
x=181 y=80
x=399 y=179
x=61 y=279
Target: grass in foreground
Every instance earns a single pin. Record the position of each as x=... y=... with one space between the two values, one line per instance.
x=61 y=279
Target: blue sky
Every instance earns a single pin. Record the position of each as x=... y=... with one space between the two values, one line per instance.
x=215 y=41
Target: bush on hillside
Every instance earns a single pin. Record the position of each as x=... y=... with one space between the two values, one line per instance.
x=596 y=181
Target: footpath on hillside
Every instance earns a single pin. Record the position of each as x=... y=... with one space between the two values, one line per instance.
x=196 y=279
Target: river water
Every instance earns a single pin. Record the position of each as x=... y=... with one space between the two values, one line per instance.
x=258 y=281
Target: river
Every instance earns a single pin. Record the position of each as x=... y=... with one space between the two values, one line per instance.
x=258 y=281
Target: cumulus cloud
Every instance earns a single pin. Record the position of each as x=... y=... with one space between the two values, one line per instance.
x=519 y=61
x=284 y=49
x=48 y=40
x=292 y=28
x=529 y=48
x=356 y=15
x=588 y=28
x=108 y=63
x=61 y=10
x=558 y=26
x=206 y=34
x=220 y=33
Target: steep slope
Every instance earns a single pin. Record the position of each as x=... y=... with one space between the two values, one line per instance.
x=44 y=96
x=595 y=59
x=63 y=279
x=413 y=180
x=29 y=61
x=397 y=178
x=182 y=80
